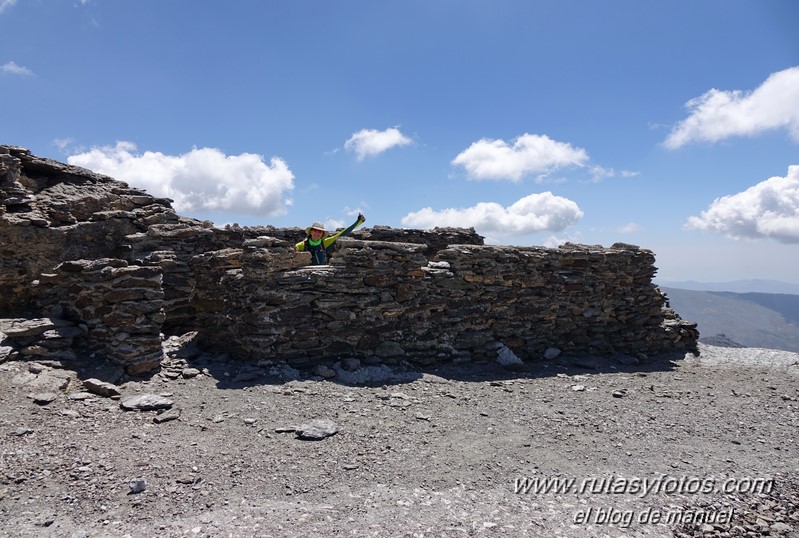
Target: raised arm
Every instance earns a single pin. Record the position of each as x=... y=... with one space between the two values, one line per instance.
x=332 y=239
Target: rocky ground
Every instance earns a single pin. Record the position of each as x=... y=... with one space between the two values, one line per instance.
x=580 y=446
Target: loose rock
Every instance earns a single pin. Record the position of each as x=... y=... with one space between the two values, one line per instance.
x=317 y=430
x=44 y=398
x=138 y=485
x=145 y=402
x=166 y=416
x=101 y=388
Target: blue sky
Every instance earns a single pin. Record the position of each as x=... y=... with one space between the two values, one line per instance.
x=673 y=125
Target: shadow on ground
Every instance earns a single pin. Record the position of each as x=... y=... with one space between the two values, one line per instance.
x=183 y=357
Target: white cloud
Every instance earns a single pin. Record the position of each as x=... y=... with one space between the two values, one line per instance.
x=203 y=179
x=599 y=173
x=630 y=227
x=717 y=114
x=768 y=209
x=64 y=144
x=6 y=4
x=12 y=68
x=529 y=154
x=369 y=142
x=533 y=213
x=553 y=241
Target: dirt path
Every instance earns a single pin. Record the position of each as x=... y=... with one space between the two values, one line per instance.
x=459 y=451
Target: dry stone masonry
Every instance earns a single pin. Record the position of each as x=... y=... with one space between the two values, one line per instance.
x=116 y=270
x=385 y=301
x=120 y=306
x=51 y=212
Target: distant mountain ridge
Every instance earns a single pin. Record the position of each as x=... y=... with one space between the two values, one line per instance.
x=737 y=286
x=766 y=320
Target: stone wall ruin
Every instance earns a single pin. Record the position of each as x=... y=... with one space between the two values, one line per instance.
x=117 y=269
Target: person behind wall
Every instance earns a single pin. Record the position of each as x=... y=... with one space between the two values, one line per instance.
x=320 y=243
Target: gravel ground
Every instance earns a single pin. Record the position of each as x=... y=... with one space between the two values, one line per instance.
x=580 y=446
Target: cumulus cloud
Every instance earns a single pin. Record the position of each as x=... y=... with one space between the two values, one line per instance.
x=203 y=179
x=768 y=209
x=528 y=154
x=717 y=114
x=369 y=142
x=11 y=68
x=533 y=213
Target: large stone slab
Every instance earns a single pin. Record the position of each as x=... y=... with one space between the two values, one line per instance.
x=144 y=402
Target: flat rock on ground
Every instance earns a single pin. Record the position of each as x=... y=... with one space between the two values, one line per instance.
x=464 y=450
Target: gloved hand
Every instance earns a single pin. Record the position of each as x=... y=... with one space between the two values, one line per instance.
x=361 y=218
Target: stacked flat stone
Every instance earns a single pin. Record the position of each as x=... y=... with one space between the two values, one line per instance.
x=123 y=265
x=386 y=302
x=40 y=339
x=120 y=305
x=171 y=246
x=51 y=212
x=433 y=240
